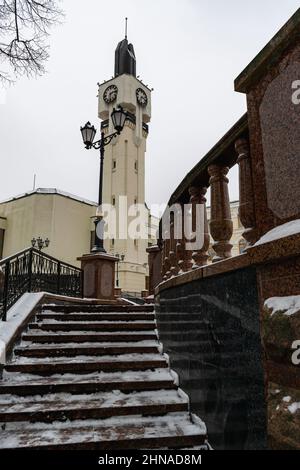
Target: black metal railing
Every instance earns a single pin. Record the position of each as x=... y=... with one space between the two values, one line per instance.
x=33 y=271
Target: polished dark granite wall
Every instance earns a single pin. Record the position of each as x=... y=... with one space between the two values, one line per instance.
x=210 y=329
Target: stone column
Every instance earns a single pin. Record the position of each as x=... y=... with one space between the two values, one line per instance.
x=246 y=207
x=221 y=226
x=199 y=255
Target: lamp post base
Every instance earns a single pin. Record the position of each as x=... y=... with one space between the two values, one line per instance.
x=98 y=249
x=99 y=275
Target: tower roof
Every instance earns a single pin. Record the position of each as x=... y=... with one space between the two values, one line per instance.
x=125 y=61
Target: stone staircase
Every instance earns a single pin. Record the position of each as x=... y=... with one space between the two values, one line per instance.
x=94 y=377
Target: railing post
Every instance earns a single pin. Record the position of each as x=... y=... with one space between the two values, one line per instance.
x=58 y=277
x=246 y=205
x=199 y=255
x=5 y=290
x=221 y=226
x=30 y=259
x=81 y=280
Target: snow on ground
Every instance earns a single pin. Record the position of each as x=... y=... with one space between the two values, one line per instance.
x=16 y=316
x=51 y=345
x=133 y=357
x=285 y=230
x=286 y=305
x=103 y=399
x=172 y=419
x=125 y=376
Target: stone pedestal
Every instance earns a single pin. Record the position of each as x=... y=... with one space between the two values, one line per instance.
x=99 y=275
x=154 y=261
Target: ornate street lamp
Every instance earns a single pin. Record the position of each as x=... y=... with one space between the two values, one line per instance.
x=88 y=132
x=40 y=243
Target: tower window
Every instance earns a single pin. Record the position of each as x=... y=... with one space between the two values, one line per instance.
x=136 y=165
x=114 y=164
x=135 y=201
x=113 y=201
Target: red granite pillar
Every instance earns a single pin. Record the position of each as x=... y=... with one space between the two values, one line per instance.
x=221 y=226
x=246 y=207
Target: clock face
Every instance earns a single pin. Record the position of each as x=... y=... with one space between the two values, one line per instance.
x=141 y=97
x=110 y=94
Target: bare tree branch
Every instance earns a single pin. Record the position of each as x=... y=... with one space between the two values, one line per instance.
x=24 y=27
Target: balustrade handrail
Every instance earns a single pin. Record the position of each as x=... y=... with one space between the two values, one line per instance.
x=181 y=252
x=31 y=270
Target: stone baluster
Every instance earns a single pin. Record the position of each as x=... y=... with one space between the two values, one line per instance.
x=184 y=256
x=197 y=197
x=163 y=254
x=221 y=226
x=246 y=206
x=166 y=259
x=172 y=254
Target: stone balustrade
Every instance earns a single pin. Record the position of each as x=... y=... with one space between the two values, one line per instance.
x=186 y=233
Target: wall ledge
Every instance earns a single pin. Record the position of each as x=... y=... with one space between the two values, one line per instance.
x=283 y=248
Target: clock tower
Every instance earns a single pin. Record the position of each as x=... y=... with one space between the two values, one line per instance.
x=124 y=164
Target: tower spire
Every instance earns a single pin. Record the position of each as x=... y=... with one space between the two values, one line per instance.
x=125 y=61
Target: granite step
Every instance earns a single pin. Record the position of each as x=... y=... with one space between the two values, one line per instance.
x=97 y=308
x=95 y=316
x=40 y=337
x=93 y=326
x=85 y=364
x=127 y=381
x=60 y=407
x=136 y=433
x=88 y=350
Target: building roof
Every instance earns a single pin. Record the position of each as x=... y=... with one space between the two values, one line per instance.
x=125 y=61
x=51 y=191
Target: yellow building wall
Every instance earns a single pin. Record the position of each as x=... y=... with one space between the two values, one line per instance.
x=64 y=221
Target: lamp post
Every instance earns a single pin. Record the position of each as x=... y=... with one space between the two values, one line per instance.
x=88 y=132
x=40 y=243
x=122 y=257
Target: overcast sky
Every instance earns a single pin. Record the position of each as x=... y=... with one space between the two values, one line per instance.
x=189 y=51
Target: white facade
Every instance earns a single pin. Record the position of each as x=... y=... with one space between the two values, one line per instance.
x=124 y=173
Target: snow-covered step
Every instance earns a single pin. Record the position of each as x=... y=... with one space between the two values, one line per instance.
x=175 y=430
x=40 y=336
x=100 y=316
x=88 y=349
x=128 y=381
x=59 y=407
x=79 y=364
x=89 y=308
x=93 y=326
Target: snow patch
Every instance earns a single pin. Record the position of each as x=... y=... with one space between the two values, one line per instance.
x=286 y=399
x=286 y=305
x=16 y=316
x=294 y=407
x=285 y=230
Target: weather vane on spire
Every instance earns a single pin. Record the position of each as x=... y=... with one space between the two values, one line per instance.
x=126 y=19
